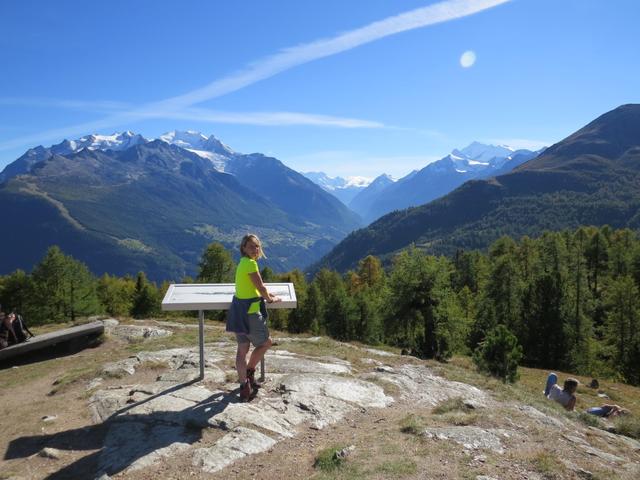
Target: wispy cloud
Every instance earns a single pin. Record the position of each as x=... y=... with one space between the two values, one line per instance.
x=201 y=114
x=104 y=106
x=270 y=118
x=305 y=53
x=270 y=66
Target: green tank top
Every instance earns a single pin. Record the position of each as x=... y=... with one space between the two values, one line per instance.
x=244 y=286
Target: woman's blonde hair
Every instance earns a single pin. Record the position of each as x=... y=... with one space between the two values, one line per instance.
x=254 y=238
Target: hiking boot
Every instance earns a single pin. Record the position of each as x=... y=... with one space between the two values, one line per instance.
x=251 y=376
x=246 y=392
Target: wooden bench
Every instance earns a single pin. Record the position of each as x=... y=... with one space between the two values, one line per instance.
x=52 y=338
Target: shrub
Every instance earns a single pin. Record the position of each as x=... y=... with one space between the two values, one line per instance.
x=330 y=459
x=627 y=425
x=499 y=354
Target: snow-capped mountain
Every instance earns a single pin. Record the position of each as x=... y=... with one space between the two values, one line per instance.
x=156 y=205
x=438 y=178
x=345 y=189
x=115 y=141
x=360 y=203
x=206 y=147
x=482 y=153
x=184 y=139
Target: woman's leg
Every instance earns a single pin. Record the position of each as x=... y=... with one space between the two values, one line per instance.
x=258 y=354
x=552 y=379
x=241 y=360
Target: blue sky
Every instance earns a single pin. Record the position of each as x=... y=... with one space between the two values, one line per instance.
x=359 y=87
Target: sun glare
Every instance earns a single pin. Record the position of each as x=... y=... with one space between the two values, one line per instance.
x=468 y=58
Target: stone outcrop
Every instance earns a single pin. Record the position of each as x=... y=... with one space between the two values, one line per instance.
x=166 y=418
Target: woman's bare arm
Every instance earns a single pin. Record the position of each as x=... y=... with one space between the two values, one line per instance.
x=256 y=279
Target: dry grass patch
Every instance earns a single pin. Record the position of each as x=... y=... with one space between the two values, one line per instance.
x=451 y=405
x=324 y=347
x=390 y=389
x=453 y=411
x=397 y=468
x=548 y=465
x=413 y=424
x=72 y=377
x=152 y=365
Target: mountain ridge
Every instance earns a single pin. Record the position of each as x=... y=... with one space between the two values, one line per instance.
x=439 y=178
x=154 y=206
x=568 y=185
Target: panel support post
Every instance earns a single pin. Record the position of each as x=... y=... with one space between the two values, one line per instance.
x=201 y=338
x=262 y=377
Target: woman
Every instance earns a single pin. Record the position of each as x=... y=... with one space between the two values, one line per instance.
x=565 y=396
x=248 y=315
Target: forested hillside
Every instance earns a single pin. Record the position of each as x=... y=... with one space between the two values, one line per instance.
x=590 y=178
x=570 y=298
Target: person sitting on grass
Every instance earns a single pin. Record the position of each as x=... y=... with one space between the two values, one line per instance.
x=7 y=330
x=564 y=396
x=4 y=330
x=20 y=327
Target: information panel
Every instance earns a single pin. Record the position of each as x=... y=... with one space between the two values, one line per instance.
x=218 y=296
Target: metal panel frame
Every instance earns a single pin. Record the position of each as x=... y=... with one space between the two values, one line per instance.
x=217 y=296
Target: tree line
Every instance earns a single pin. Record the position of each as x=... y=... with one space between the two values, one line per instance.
x=566 y=300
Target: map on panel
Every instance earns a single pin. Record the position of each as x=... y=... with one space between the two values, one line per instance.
x=217 y=296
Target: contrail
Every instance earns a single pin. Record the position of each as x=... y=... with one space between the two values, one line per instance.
x=284 y=60
x=294 y=56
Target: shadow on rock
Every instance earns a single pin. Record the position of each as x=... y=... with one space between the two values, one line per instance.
x=127 y=439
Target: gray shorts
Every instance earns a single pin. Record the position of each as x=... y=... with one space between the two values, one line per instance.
x=258 y=331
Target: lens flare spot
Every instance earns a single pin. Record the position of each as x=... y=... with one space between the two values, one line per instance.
x=468 y=58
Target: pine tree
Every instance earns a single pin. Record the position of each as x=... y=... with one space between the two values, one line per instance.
x=216 y=265
x=15 y=292
x=370 y=272
x=312 y=310
x=580 y=328
x=418 y=310
x=500 y=300
x=116 y=294
x=146 y=300
x=63 y=289
x=499 y=354
x=545 y=340
x=340 y=314
x=296 y=321
x=622 y=331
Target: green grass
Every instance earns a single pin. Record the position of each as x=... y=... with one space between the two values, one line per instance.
x=588 y=419
x=628 y=426
x=71 y=377
x=328 y=459
x=548 y=466
x=397 y=468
